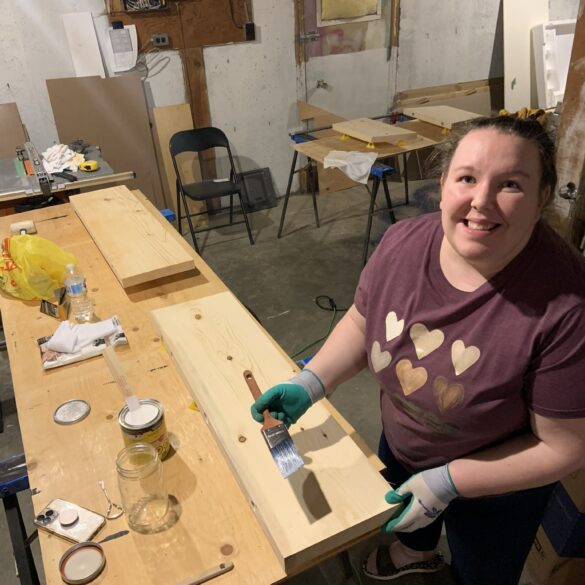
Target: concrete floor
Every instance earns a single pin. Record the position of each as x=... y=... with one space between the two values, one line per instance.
x=279 y=279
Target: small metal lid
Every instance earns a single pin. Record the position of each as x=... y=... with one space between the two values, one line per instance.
x=82 y=563
x=150 y=408
x=71 y=412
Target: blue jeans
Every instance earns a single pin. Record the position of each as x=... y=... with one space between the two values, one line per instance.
x=489 y=538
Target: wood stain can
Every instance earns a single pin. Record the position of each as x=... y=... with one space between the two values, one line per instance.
x=146 y=425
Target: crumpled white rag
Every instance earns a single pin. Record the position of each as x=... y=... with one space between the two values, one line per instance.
x=60 y=157
x=72 y=337
x=356 y=165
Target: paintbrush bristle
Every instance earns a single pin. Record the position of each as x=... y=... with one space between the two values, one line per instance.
x=287 y=458
x=283 y=449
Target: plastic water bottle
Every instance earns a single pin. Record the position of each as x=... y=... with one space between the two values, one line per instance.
x=80 y=305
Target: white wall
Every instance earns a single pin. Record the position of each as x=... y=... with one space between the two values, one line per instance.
x=252 y=90
x=33 y=48
x=447 y=41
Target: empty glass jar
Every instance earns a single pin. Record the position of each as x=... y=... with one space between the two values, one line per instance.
x=142 y=488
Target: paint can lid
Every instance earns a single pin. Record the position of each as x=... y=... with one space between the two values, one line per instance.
x=82 y=563
x=71 y=412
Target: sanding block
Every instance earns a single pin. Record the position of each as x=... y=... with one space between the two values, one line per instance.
x=23 y=227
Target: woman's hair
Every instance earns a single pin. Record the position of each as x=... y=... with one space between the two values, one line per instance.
x=528 y=129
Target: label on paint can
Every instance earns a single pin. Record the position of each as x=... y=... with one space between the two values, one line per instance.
x=146 y=425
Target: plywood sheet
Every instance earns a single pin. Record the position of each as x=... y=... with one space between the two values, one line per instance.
x=374 y=131
x=137 y=247
x=336 y=498
x=167 y=120
x=444 y=116
x=110 y=113
x=11 y=130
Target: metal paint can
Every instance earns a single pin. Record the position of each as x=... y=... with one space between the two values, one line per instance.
x=146 y=425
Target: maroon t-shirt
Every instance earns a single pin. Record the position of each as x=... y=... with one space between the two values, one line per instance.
x=458 y=370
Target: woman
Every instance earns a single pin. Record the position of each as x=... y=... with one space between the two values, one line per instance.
x=473 y=322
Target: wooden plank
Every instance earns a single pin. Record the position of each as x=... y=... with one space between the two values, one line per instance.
x=110 y=113
x=336 y=498
x=11 y=130
x=483 y=96
x=373 y=131
x=519 y=78
x=444 y=116
x=167 y=120
x=570 y=152
x=137 y=247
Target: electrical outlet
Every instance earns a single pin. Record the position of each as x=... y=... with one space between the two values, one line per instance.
x=160 y=40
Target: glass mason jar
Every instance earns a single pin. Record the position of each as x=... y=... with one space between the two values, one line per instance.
x=142 y=488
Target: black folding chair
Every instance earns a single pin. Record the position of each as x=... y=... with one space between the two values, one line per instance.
x=196 y=141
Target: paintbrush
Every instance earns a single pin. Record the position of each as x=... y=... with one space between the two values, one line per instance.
x=282 y=447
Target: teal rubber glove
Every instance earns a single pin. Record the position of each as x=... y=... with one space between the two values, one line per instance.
x=430 y=492
x=288 y=401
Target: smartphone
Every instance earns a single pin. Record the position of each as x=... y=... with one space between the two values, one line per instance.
x=69 y=521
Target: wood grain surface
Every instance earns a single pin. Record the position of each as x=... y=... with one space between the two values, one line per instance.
x=336 y=497
x=133 y=242
x=374 y=131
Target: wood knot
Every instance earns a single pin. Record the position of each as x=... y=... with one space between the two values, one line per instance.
x=242 y=439
x=198 y=316
x=227 y=549
x=229 y=358
x=109 y=417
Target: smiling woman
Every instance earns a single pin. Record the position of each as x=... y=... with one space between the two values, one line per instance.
x=472 y=322
x=495 y=183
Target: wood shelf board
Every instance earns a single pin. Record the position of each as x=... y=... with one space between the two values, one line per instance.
x=137 y=247
x=444 y=116
x=337 y=497
x=374 y=131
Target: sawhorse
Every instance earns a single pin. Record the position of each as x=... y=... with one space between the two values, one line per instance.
x=378 y=173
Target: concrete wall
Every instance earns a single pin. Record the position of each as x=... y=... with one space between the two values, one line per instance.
x=253 y=87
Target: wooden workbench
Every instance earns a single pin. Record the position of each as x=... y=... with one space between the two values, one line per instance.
x=216 y=523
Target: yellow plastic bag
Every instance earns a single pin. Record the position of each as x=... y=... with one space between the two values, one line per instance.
x=31 y=268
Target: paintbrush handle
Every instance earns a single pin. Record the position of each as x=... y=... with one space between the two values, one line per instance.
x=269 y=420
x=252 y=384
x=120 y=377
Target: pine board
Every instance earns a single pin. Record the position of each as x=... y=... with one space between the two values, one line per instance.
x=444 y=116
x=374 y=131
x=137 y=247
x=336 y=498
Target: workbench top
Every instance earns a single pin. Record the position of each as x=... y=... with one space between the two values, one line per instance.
x=215 y=522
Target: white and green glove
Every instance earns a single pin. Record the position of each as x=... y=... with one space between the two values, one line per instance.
x=430 y=492
x=288 y=401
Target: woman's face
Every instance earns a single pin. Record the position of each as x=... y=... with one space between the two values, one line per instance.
x=490 y=198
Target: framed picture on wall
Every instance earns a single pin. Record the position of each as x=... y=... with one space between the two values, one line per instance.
x=334 y=12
